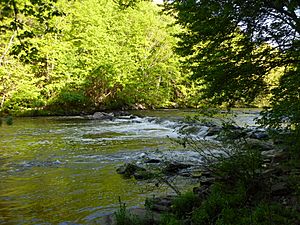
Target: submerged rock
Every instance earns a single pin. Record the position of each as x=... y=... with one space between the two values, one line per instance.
x=129 y=169
x=121 y=114
x=187 y=129
x=151 y=165
x=143 y=175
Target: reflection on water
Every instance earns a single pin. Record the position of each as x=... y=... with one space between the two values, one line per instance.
x=59 y=170
x=54 y=170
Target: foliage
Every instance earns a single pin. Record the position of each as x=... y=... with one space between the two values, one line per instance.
x=23 y=66
x=109 y=54
x=17 y=86
x=231 y=46
x=8 y=120
x=123 y=217
x=285 y=102
x=222 y=209
x=217 y=204
x=169 y=219
x=184 y=204
x=240 y=193
x=26 y=20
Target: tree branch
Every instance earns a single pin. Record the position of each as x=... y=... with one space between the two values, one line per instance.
x=7 y=49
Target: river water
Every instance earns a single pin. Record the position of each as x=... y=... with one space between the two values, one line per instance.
x=62 y=170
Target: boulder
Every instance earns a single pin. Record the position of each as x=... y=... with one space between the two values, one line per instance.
x=143 y=175
x=260 y=135
x=207 y=181
x=273 y=153
x=174 y=167
x=232 y=133
x=129 y=169
x=259 y=144
x=274 y=171
x=102 y=116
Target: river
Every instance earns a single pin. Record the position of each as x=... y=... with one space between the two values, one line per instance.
x=62 y=170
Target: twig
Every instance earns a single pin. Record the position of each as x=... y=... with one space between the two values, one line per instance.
x=8 y=47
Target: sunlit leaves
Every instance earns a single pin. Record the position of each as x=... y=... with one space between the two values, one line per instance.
x=123 y=56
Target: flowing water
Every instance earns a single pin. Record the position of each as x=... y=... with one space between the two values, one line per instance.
x=61 y=170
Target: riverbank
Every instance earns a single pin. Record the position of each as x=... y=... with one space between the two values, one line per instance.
x=258 y=184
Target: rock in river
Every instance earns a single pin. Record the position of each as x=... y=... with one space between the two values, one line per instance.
x=102 y=116
x=130 y=169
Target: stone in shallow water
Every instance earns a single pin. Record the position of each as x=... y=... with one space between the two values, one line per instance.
x=259 y=144
x=129 y=169
x=102 y=116
x=143 y=175
x=259 y=135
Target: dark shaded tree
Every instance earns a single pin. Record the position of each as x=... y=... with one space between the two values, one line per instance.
x=231 y=46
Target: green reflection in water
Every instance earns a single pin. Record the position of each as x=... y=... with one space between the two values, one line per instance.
x=51 y=173
x=63 y=194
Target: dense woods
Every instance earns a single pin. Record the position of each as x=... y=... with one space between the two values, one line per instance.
x=67 y=56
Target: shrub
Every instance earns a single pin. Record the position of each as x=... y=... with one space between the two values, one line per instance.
x=169 y=219
x=184 y=204
x=123 y=217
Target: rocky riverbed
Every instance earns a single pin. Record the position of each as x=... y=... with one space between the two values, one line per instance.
x=82 y=153
x=193 y=162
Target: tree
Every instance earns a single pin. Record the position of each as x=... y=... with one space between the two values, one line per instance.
x=26 y=19
x=232 y=45
x=24 y=25
x=97 y=53
x=115 y=56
